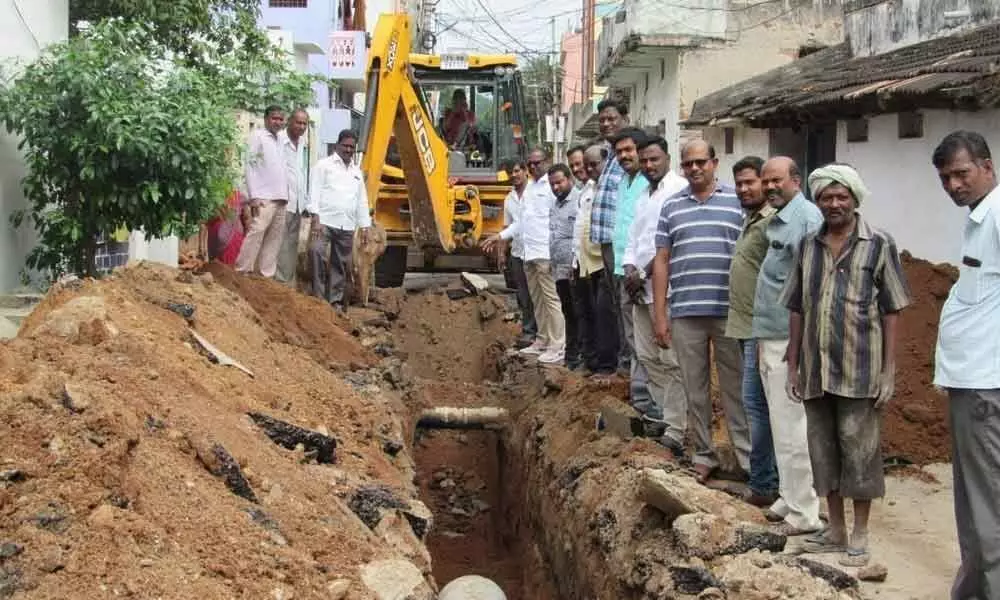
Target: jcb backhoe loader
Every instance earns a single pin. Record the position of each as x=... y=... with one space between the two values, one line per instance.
x=448 y=123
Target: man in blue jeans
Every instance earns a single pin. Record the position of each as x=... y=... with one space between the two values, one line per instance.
x=751 y=247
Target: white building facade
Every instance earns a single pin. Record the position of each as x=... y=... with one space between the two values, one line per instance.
x=881 y=103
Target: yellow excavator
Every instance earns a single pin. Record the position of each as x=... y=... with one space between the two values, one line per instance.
x=436 y=133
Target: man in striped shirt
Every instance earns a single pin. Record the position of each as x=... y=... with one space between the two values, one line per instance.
x=844 y=293
x=695 y=241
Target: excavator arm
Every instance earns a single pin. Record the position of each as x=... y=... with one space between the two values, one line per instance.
x=394 y=107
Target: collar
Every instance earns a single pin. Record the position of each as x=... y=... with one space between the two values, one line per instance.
x=284 y=138
x=689 y=193
x=765 y=211
x=985 y=205
x=862 y=230
x=336 y=158
x=789 y=210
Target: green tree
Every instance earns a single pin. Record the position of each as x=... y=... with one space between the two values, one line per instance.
x=115 y=134
x=199 y=31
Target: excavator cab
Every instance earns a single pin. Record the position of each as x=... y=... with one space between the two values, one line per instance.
x=437 y=134
x=478 y=114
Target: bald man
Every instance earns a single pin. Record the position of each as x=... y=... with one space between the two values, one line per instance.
x=594 y=306
x=797 y=506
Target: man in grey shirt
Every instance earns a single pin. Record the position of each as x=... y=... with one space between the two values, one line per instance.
x=562 y=221
x=797 y=506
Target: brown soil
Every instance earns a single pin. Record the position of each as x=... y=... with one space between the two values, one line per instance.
x=916 y=421
x=115 y=496
x=296 y=319
x=449 y=340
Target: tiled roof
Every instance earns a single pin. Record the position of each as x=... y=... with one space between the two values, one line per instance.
x=956 y=71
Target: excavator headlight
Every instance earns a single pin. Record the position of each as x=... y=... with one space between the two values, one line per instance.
x=471 y=192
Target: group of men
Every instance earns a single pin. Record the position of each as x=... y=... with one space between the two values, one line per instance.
x=622 y=265
x=280 y=199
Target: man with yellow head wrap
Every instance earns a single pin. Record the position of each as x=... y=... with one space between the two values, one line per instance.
x=844 y=296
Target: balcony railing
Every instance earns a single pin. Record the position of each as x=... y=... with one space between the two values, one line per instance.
x=673 y=23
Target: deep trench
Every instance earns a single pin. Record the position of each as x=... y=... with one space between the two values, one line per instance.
x=484 y=522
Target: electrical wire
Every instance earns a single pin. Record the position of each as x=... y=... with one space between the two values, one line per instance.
x=24 y=22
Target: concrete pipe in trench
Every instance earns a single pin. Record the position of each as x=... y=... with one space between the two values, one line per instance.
x=471 y=587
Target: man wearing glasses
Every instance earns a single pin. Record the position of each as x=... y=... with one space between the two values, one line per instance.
x=338 y=204
x=695 y=242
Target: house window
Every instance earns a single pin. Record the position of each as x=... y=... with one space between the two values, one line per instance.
x=730 y=136
x=287 y=3
x=332 y=95
x=911 y=125
x=857 y=130
x=330 y=149
x=663 y=68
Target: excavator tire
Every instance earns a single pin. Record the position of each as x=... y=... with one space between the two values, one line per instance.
x=390 y=268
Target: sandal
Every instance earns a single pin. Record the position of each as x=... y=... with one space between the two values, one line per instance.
x=820 y=544
x=856 y=557
x=703 y=473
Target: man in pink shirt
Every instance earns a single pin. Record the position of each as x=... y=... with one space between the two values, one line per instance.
x=267 y=187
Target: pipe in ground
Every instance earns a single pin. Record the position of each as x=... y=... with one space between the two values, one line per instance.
x=472 y=587
x=447 y=417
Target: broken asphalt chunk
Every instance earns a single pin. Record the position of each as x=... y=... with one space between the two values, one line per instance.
x=693 y=580
x=289 y=436
x=12 y=476
x=220 y=463
x=840 y=580
x=370 y=501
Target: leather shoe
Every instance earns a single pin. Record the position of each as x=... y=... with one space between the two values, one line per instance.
x=759 y=500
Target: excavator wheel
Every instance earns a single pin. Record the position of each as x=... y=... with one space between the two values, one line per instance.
x=390 y=268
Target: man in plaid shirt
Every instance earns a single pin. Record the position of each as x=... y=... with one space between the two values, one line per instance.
x=612 y=117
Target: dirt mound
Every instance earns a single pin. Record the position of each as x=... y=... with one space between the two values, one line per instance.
x=916 y=422
x=295 y=319
x=450 y=340
x=131 y=466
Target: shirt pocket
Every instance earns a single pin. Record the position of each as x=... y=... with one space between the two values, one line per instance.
x=969 y=287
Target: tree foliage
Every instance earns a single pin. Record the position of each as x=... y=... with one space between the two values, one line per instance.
x=199 y=31
x=116 y=135
x=131 y=123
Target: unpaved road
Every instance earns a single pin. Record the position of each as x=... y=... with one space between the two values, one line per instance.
x=913 y=534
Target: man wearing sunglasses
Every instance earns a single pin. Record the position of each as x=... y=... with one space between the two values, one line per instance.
x=695 y=241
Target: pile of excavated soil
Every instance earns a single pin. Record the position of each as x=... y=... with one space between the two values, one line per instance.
x=121 y=442
x=915 y=425
x=450 y=340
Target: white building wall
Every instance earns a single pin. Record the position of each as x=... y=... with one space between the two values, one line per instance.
x=659 y=100
x=26 y=26
x=907 y=199
x=746 y=142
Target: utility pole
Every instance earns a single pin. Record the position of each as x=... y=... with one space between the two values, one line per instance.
x=556 y=100
x=588 y=49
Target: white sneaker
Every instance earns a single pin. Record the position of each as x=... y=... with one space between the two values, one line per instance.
x=534 y=349
x=556 y=356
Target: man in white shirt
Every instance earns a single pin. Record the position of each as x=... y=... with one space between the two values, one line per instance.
x=513 y=209
x=338 y=204
x=293 y=146
x=267 y=189
x=550 y=343
x=664 y=373
x=967 y=362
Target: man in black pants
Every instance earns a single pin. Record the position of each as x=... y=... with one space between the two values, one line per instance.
x=562 y=221
x=595 y=309
x=513 y=207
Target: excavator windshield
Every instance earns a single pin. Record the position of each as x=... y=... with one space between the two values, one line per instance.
x=478 y=113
